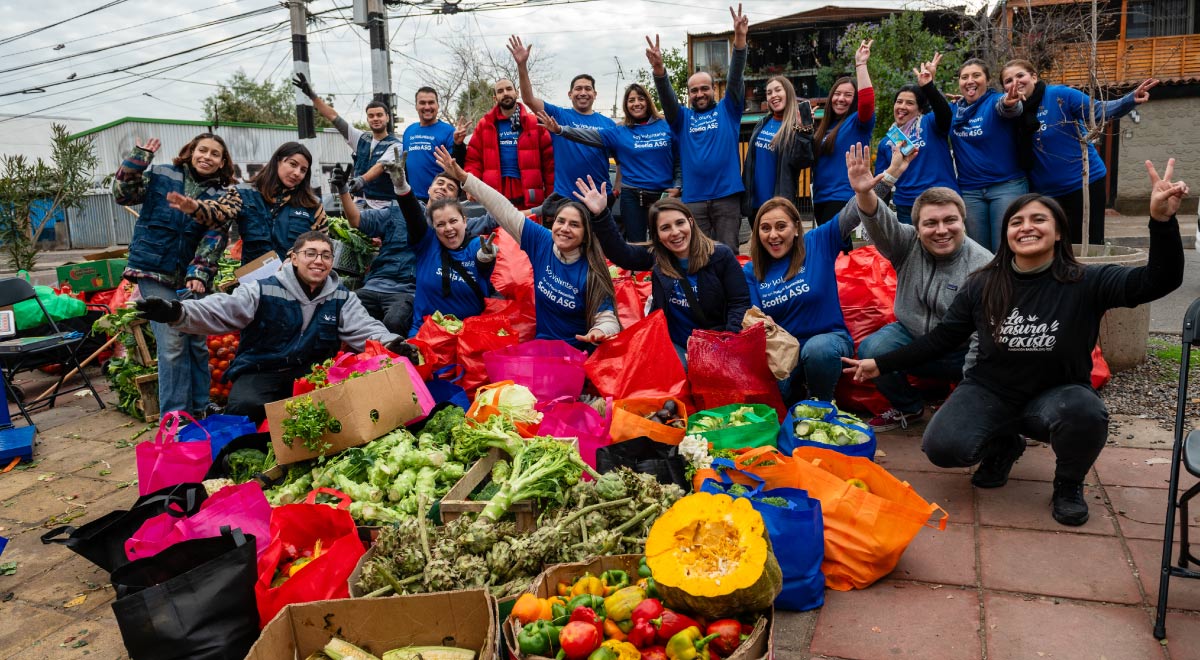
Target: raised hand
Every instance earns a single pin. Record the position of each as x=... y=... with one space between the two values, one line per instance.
x=1142 y=93
x=1011 y=95
x=595 y=199
x=741 y=27
x=301 y=83
x=861 y=369
x=549 y=122
x=487 y=246
x=927 y=70
x=520 y=52
x=863 y=53
x=395 y=167
x=1165 y=195
x=460 y=131
x=449 y=165
x=654 y=55
x=338 y=178
x=357 y=184
x=900 y=161
x=182 y=203
x=151 y=145
x=858 y=168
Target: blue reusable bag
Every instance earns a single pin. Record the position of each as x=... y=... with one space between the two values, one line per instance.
x=222 y=428
x=788 y=442
x=447 y=390
x=797 y=534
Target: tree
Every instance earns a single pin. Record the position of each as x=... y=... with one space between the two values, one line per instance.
x=677 y=72
x=28 y=188
x=901 y=43
x=467 y=81
x=242 y=99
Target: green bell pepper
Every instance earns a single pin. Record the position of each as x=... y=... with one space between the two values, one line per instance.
x=538 y=638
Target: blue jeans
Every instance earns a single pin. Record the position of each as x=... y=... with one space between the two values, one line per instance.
x=634 y=216
x=820 y=366
x=895 y=386
x=986 y=207
x=183 y=376
x=904 y=214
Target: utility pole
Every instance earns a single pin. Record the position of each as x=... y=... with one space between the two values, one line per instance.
x=381 y=66
x=306 y=127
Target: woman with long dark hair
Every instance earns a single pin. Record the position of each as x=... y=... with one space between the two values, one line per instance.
x=271 y=210
x=848 y=120
x=697 y=281
x=170 y=253
x=781 y=147
x=645 y=149
x=573 y=291
x=1048 y=142
x=1037 y=313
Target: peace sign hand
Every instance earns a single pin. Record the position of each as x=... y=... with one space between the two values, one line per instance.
x=864 y=52
x=654 y=55
x=1142 y=93
x=1165 y=195
x=741 y=26
x=460 y=131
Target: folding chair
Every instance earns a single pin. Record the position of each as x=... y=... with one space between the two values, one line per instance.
x=1185 y=451
x=27 y=353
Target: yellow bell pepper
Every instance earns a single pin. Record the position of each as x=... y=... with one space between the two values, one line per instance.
x=588 y=584
x=619 y=606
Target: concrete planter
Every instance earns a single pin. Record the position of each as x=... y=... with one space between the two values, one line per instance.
x=1123 y=331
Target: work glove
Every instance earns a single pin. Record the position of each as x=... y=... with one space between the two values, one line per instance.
x=396 y=171
x=160 y=310
x=487 y=248
x=404 y=349
x=301 y=82
x=338 y=179
x=356 y=185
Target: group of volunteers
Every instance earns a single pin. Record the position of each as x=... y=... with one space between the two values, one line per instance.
x=989 y=291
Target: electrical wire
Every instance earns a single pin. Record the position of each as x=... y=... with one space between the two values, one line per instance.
x=89 y=12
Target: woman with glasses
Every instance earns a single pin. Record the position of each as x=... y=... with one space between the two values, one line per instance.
x=170 y=254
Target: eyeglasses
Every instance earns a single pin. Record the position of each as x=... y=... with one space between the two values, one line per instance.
x=314 y=254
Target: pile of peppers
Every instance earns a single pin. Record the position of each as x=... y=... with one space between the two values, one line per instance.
x=611 y=617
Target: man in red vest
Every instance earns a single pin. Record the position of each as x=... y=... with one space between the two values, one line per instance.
x=511 y=152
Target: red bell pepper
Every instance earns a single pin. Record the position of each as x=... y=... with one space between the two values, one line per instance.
x=729 y=636
x=671 y=623
x=578 y=639
x=654 y=653
x=588 y=615
x=643 y=634
x=651 y=608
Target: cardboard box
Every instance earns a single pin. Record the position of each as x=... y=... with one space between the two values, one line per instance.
x=758 y=645
x=464 y=619
x=99 y=275
x=367 y=407
x=259 y=269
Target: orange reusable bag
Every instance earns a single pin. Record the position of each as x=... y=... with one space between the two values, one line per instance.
x=766 y=462
x=865 y=532
x=629 y=421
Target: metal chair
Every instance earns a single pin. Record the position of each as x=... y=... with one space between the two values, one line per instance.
x=27 y=353
x=1185 y=451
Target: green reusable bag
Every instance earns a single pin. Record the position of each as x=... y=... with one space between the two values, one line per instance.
x=27 y=314
x=762 y=431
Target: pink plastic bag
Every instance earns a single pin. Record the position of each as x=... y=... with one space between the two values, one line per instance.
x=567 y=418
x=550 y=368
x=243 y=505
x=166 y=462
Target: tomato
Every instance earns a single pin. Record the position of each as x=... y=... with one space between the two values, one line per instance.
x=214 y=391
x=223 y=365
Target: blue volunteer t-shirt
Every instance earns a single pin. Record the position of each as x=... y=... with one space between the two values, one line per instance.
x=680 y=323
x=829 y=175
x=708 y=149
x=1057 y=165
x=806 y=305
x=462 y=301
x=764 y=163
x=646 y=153
x=932 y=167
x=573 y=160
x=985 y=144
x=560 y=290
x=419 y=142
x=510 y=163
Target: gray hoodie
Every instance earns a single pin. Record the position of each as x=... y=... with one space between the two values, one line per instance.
x=221 y=313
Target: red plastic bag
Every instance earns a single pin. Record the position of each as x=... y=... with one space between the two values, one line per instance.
x=632 y=293
x=861 y=397
x=1101 y=373
x=520 y=313
x=479 y=335
x=731 y=367
x=567 y=418
x=639 y=363
x=441 y=344
x=513 y=275
x=165 y=461
x=295 y=529
x=867 y=291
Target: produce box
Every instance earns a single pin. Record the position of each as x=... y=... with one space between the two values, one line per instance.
x=259 y=269
x=463 y=619
x=458 y=501
x=367 y=407
x=99 y=275
x=758 y=645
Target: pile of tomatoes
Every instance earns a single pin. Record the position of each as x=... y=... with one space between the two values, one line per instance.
x=221 y=350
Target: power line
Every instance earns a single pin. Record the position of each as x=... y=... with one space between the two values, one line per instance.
x=114 y=3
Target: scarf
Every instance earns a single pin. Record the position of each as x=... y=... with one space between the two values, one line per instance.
x=1028 y=125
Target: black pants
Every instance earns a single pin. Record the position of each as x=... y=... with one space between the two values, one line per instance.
x=251 y=392
x=394 y=310
x=1072 y=417
x=1072 y=203
x=826 y=211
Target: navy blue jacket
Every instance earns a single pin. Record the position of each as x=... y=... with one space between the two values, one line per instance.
x=165 y=240
x=365 y=157
x=264 y=228
x=273 y=341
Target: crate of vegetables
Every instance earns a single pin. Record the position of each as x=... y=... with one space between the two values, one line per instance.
x=612 y=603
x=454 y=625
x=820 y=424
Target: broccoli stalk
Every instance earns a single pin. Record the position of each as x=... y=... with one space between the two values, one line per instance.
x=540 y=469
x=472 y=439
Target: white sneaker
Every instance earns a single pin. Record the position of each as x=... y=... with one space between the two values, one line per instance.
x=894 y=419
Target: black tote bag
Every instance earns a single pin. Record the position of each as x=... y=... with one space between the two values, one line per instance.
x=647 y=456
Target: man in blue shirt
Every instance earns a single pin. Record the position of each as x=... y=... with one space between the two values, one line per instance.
x=708 y=134
x=572 y=160
x=421 y=138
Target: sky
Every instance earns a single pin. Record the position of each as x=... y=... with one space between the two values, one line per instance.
x=571 y=36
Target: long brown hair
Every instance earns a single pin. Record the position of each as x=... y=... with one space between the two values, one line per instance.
x=700 y=246
x=759 y=255
x=789 y=125
x=999 y=277
x=268 y=183
x=653 y=109
x=828 y=119
x=225 y=174
x=599 y=281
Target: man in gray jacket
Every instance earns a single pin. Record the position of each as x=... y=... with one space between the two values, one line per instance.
x=290 y=321
x=932 y=262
